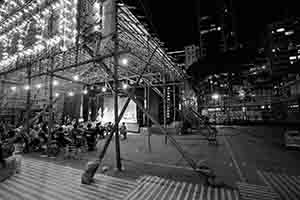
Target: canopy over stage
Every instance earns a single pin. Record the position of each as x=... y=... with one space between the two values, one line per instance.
x=67 y=47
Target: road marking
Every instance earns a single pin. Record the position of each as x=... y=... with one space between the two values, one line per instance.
x=241 y=176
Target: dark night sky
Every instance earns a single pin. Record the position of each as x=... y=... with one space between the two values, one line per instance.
x=175 y=20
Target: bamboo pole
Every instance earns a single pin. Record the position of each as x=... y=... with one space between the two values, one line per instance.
x=116 y=82
x=50 y=120
x=165 y=106
x=174 y=103
x=28 y=103
x=88 y=175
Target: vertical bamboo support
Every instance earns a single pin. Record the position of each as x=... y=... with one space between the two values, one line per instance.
x=145 y=106
x=116 y=83
x=165 y=104
x=28 y=102
x=174 y=103
x=148 y=105
x=50 y=120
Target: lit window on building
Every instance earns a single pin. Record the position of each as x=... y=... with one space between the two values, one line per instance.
x=280 y=30
x=289 y=32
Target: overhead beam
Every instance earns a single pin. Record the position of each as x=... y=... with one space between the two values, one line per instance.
x=12 y=82
x=23 y=65
x=69 y=79
x=96 y=59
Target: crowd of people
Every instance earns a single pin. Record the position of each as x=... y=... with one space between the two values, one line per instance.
x=73 y=136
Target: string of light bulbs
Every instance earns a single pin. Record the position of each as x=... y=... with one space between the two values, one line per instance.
x=55 y=83
x=64 y=37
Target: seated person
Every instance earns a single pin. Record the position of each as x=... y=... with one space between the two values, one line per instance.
x=90 y=137
x=99 y=131
x=109 y=127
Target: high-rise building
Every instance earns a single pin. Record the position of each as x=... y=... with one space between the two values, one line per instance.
x=216 y=26
x=283 y=49
x=191 y=55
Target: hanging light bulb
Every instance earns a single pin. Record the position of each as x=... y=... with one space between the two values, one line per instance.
x=125 y=86
x=124 y=62
x=38 y=86
x=26 y=87
x=104 y=89
x=55 y=83
x=76 y=78
x=13 y=88
x=71 y=94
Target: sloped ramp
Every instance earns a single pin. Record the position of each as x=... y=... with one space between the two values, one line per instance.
x=156 y=188
x=41 y=180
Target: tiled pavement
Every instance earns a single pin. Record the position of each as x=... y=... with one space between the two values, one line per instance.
x=287 y=186
x=156 y=188
x=44 y=180
x=41 y=180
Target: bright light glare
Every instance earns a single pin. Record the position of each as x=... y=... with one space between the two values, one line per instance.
x=55 y=82
x=26 y=87
x=13 y=88
x=289 y=33
x=71 y=94
x=85 y=91
x=76 y=78
x=38 y=86
x=124 y=61
x=280 y=30
x=56 y=95
x=125 y=86
x=104 y=89
x=215 y=96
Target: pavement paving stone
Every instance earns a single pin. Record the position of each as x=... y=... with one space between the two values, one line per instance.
x=256 y=192
x=287 y=186
x=157 y=188
x=41 y=180
x=44 y=180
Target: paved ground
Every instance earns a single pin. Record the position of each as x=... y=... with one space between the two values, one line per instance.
x=252 y=159
x=41 y=180
x=240 y=153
